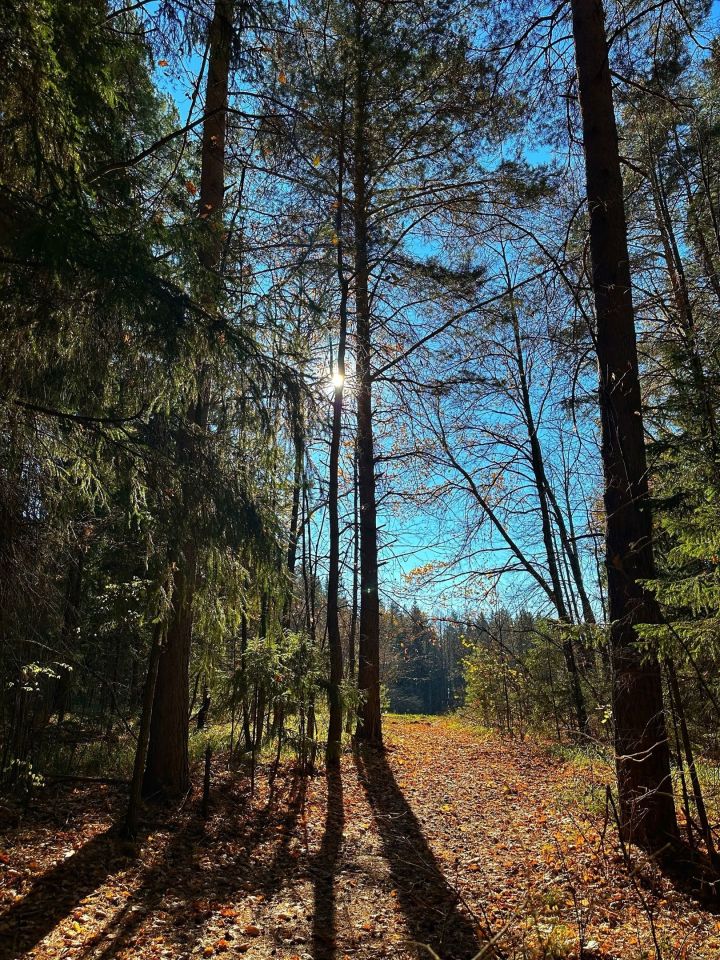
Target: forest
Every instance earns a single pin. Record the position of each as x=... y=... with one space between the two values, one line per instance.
x=359 y=488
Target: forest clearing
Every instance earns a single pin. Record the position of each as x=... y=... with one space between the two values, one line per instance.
x=455 y=839
x=360 y=479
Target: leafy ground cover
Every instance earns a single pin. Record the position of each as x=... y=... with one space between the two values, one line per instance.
x=453 y=843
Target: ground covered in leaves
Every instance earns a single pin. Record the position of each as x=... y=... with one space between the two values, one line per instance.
x=453 y=843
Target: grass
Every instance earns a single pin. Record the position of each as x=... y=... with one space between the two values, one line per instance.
x=591 y=768
x=464 y=720
x=110 y=757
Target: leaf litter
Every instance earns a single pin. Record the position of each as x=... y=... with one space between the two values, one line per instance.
x=452 y=843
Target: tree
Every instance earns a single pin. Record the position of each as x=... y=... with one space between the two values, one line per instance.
x=334 y=739
x=83 y=364
x=411 y=158
x=369 y=724
x=167 y=768
x=642 y=754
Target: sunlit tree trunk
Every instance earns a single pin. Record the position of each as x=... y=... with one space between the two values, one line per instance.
x=334 y=739
x=369 y=724
x=647 y=808
x=354 y=604
x=695 y=227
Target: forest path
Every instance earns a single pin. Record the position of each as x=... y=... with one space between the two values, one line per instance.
x=452 y=838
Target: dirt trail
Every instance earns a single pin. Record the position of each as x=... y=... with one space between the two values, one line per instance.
x=450 y=839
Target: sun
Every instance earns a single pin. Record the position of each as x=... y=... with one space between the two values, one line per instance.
x=338 y=379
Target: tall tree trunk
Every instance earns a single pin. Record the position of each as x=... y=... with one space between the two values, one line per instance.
x=681 y=295
x=355 y=572
x=167 y=771
x=247 y=737
x=695 y=228
x=143 y=740
x=352 y=630
x=537 y=464
x=299 y=448
x=647 y=809
x=261 y=691
x=334 y=739
x=698 y=798
x=369 y=723
x=71 y=621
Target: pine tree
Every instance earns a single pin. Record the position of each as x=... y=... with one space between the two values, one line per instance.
x=641 y=743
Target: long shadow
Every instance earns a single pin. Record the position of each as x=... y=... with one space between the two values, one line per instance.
x=169 y=875
x=54 y=895
x=691 y=873
x=324 y=932
x=431 y=907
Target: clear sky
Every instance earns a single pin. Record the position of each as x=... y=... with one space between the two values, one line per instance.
x=410 y=537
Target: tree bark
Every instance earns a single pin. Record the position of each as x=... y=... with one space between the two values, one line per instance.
x=299 y=449
x=647 y=810
x=350 y=716
x=136 y=784
x=71 y=621
x=369 y=722
x=334 y=738
x=355 y=572
x=698 y=798
x=167 y=771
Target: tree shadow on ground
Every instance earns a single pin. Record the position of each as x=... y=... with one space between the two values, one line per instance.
x=688 y=869
x=324 y=932
x=57 y=892
x=176 y=888
x=173 y=876
x=432 y=908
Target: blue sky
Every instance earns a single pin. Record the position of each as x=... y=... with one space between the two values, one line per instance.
x=410 y=538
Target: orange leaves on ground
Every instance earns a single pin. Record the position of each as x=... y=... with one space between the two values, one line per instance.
x=499 y=825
